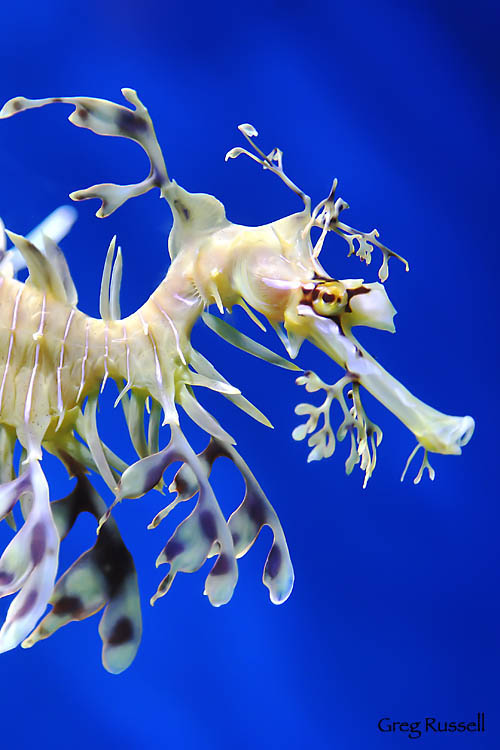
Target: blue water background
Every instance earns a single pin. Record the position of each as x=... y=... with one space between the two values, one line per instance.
x=396 y=605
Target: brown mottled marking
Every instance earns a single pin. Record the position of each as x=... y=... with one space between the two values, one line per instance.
x=28 y=604
x=38 y=543
x=68 y=605
x=122 y=632
x=181 y=208
x=222 y=566
x=130 y=123
x=273 y=561
x=207 y=523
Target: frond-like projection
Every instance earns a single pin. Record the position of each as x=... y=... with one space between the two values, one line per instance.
x=205 y=532
x=104 y=576
x=107 y=118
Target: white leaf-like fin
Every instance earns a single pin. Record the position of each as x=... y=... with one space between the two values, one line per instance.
x=241 y=341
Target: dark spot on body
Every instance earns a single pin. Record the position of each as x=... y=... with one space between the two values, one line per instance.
x=315 y=293
x=112 y=558
x=254 y=509
x=173 y=549
x=6 y=578
x=16 y=105
x=208 y=526
x=82 y=113
x=38 y=543
x=222 y=566
x=57 y=99
x=131 y=123
x=273 y=563
x=181 y=208
x=28 y=604
x=68 y=605
x=328 y=298
x=236 y=538
x=83 y=498
x=121 y=633
x=140 y=123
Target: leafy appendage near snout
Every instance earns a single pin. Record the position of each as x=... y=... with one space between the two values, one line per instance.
x=326 y=214
x=365 y=435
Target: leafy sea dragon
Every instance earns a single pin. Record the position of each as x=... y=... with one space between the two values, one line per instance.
x=55 y=360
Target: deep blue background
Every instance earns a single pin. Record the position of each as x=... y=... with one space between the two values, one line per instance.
x=395 y=609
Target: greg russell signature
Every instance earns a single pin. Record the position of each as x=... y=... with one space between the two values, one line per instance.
x=430 y=725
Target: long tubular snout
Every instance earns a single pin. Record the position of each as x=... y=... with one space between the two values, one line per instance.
x=435 y=431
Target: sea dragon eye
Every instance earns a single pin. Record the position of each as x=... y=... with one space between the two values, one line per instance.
x=329 y=298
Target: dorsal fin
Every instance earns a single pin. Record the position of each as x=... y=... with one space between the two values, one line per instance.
x=43 y=274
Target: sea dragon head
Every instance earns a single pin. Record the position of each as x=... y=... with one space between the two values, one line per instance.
x=280 y=276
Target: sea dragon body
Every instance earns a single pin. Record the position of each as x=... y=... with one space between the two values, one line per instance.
x=54 y=361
